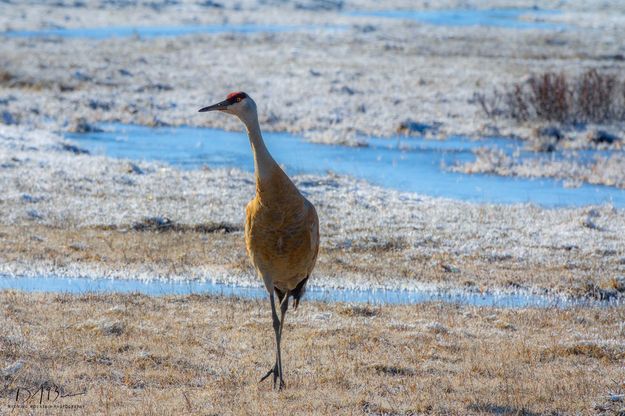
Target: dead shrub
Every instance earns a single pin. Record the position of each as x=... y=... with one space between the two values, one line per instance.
x=596 y=96
x=593 y=96
x=5 y=76
x=549 y=97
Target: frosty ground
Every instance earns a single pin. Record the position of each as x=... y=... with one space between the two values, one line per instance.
x=71 y=214
x=331 y=84
x=362 y=76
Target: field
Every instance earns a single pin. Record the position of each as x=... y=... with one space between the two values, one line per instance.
x=202 y=355
x=327 y=72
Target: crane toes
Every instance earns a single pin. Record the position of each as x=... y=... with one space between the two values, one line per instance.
x=281 y=386
x=267 y=375
x=275 y=371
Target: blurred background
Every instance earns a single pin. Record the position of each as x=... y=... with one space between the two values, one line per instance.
x=488 y=101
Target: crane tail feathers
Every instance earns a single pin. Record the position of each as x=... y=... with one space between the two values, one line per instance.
x=298 y=292
x=280 y=294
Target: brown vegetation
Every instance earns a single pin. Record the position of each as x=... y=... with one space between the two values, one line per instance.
x=593 y=96
x=133 y=354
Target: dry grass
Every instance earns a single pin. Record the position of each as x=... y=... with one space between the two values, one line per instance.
x=594 y=96
x=133 y=354
x=193 y=251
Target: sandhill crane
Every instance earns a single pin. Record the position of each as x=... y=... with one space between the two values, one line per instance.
x=281 y=226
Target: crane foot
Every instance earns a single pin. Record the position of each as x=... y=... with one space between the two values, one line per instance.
x=274 y=370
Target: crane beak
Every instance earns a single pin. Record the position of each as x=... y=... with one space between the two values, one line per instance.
x=216 y=107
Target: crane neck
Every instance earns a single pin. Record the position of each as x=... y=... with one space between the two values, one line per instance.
x=264 y=164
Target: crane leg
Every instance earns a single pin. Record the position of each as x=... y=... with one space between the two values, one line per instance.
x=276 y=370
x=284 y=305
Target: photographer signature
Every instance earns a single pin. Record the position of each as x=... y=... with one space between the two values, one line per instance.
x=43 y=394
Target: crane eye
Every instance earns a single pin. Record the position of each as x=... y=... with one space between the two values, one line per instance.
x=238 y=99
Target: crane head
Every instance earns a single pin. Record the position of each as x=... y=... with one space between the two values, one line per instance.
x=237 y=103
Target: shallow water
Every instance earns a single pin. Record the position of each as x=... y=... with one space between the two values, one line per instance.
x=156 y=31
x=407 y=164
x=505 y=18
x=369 y=296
